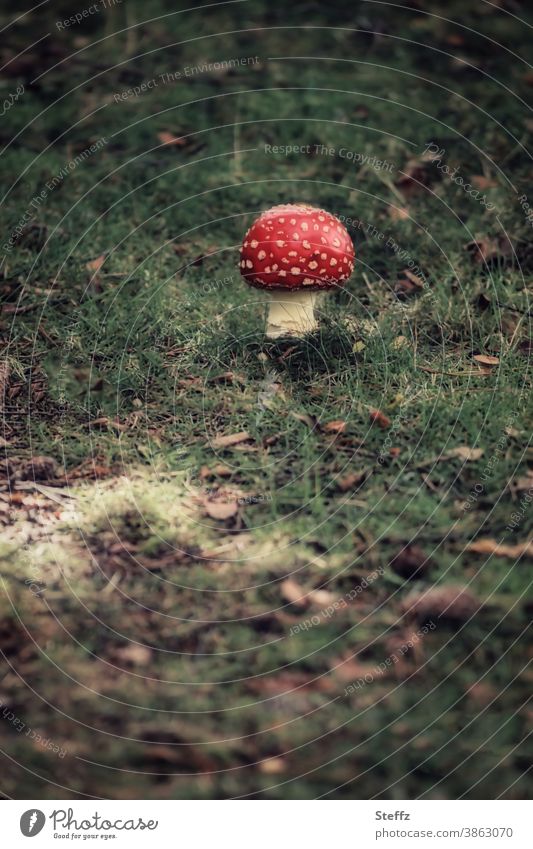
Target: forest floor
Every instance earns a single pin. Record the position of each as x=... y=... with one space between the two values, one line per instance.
x=233 y=567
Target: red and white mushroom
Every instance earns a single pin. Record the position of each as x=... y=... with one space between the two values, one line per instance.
x=295 y=251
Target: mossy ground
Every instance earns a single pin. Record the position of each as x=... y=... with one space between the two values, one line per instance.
x=147 y=632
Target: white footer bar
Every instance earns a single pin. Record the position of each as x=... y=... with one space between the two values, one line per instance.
x=267 y=824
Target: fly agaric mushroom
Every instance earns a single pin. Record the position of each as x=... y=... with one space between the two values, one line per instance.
x=295 y=251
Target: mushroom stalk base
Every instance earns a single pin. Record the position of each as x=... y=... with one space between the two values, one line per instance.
x=291 y=313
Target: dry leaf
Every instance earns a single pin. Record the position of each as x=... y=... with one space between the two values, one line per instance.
x=227 y=377
x=379 y=418
x=521 y=484
x=398 y=213
x=448 y=602
x=352 y=480
x=487 y=249
x=336 y=426
x=293 y=593
x=491 y=546
x=167 y=138
x=230 y=439
x=134 y=653
x=219 y=470
x=417 y=281
x=416 y=174
x=306 y=418
x=322 y=597
x=95 y=264
x=481 y=182
x=105 y=421
x=465 y=453
x=272 y=766
x=221 y=510
x=486 y=359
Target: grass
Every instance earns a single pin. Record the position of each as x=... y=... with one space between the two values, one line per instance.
x=158 y=587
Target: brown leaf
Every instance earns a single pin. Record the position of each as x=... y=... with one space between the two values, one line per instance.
x=521 y=484
x=411 y=562
x=336 y=426
x=105 y=421
x=167 y=138
x=465 y=453
x=490 y=546
x=219 y=470
x=488 y=249
x=322 y=597
x=227 y=440
x=352 y=480
x=447 y=602
x=481 y=182
x=379 y=418
x=414 y=278
x=416 y=174
x=272 y=766
x=227 y=377
x=306 y=418
x=293 y=593
x=221 y=510
x=486 y=359
x=95 y=264
x=404 y=286
x=135 y=654
x=398 y=213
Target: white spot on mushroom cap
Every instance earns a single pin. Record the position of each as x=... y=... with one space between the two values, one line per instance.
x=261 y=255
x=295 y=269
x=254 y=243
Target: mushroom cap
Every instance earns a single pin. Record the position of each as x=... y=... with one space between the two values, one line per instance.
x=297 y=246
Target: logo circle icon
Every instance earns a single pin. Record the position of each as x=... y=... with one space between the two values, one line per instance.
x=32 y=822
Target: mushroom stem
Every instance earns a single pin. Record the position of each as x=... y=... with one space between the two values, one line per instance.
x=291 y=313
